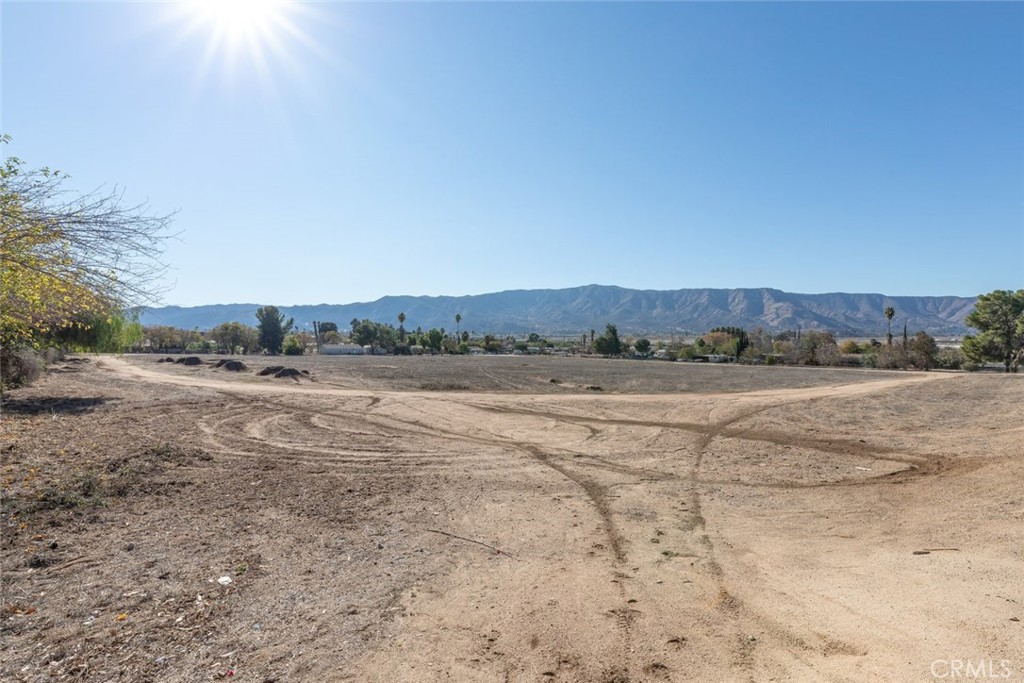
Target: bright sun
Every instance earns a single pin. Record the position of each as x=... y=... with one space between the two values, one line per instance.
x=241 y=21
x=256 y=36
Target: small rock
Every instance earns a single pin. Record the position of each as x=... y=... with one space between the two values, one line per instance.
x=224 y=580
x=130 y=547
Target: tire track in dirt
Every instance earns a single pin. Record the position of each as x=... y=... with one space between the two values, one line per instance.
x=262 y=429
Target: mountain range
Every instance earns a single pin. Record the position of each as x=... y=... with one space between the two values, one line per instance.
x=577 y=310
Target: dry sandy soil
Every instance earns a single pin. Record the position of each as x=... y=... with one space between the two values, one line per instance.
x=510 y=519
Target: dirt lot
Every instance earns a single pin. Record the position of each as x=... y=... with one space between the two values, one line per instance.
x=510 y=519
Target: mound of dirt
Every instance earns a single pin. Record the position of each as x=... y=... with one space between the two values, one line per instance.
x=190 y=360
x=235 y=366
x=444 y=386
x=168 y=359
x=288 y=372
x=270 y=370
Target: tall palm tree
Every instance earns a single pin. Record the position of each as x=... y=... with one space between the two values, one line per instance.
x=401 y=326
x=889 y=313
x=458 y=321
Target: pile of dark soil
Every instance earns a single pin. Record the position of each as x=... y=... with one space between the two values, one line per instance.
x=270 y=370
x=190 y=360
x=444 y=386
x=290 y=372
x=168 y=359
x=231 y=364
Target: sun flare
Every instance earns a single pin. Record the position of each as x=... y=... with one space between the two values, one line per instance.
x=241 y=21
x=245 y=39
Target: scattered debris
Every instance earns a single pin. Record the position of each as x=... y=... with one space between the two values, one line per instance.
x=498 y=551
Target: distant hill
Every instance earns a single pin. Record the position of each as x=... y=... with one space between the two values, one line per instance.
x=579 y=309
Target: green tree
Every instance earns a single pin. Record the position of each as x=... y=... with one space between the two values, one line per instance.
x=922 y=351
x=435 y=338
x=401 y=327
x=458 y=322
x=642 y=346
x=609 y=344
x=999 y=318
x=375 y=335
x=234 y=337
x=163 y=337
x=889 y=312
x=115 y=332
x=737 y=340
x=273 y=328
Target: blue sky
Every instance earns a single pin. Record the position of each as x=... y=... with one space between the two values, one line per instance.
x=462 y=148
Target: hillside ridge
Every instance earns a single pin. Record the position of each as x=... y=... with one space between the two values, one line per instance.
x=576 y=310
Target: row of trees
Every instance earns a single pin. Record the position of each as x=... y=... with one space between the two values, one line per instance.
x=999 y=316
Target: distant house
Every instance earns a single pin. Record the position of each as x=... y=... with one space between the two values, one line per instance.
x=341 y=350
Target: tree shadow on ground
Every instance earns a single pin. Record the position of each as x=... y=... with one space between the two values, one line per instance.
x=56 y=405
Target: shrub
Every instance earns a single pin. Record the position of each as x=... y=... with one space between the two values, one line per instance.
x=19 y=367
x=293 y=346
x=950 y=359
x=850 y=346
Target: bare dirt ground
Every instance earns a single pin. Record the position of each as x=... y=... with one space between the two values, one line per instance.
x=510 y=519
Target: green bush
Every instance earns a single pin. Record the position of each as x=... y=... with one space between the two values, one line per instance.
x=293 y=346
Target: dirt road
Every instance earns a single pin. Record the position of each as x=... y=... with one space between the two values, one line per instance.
x=849 y=531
